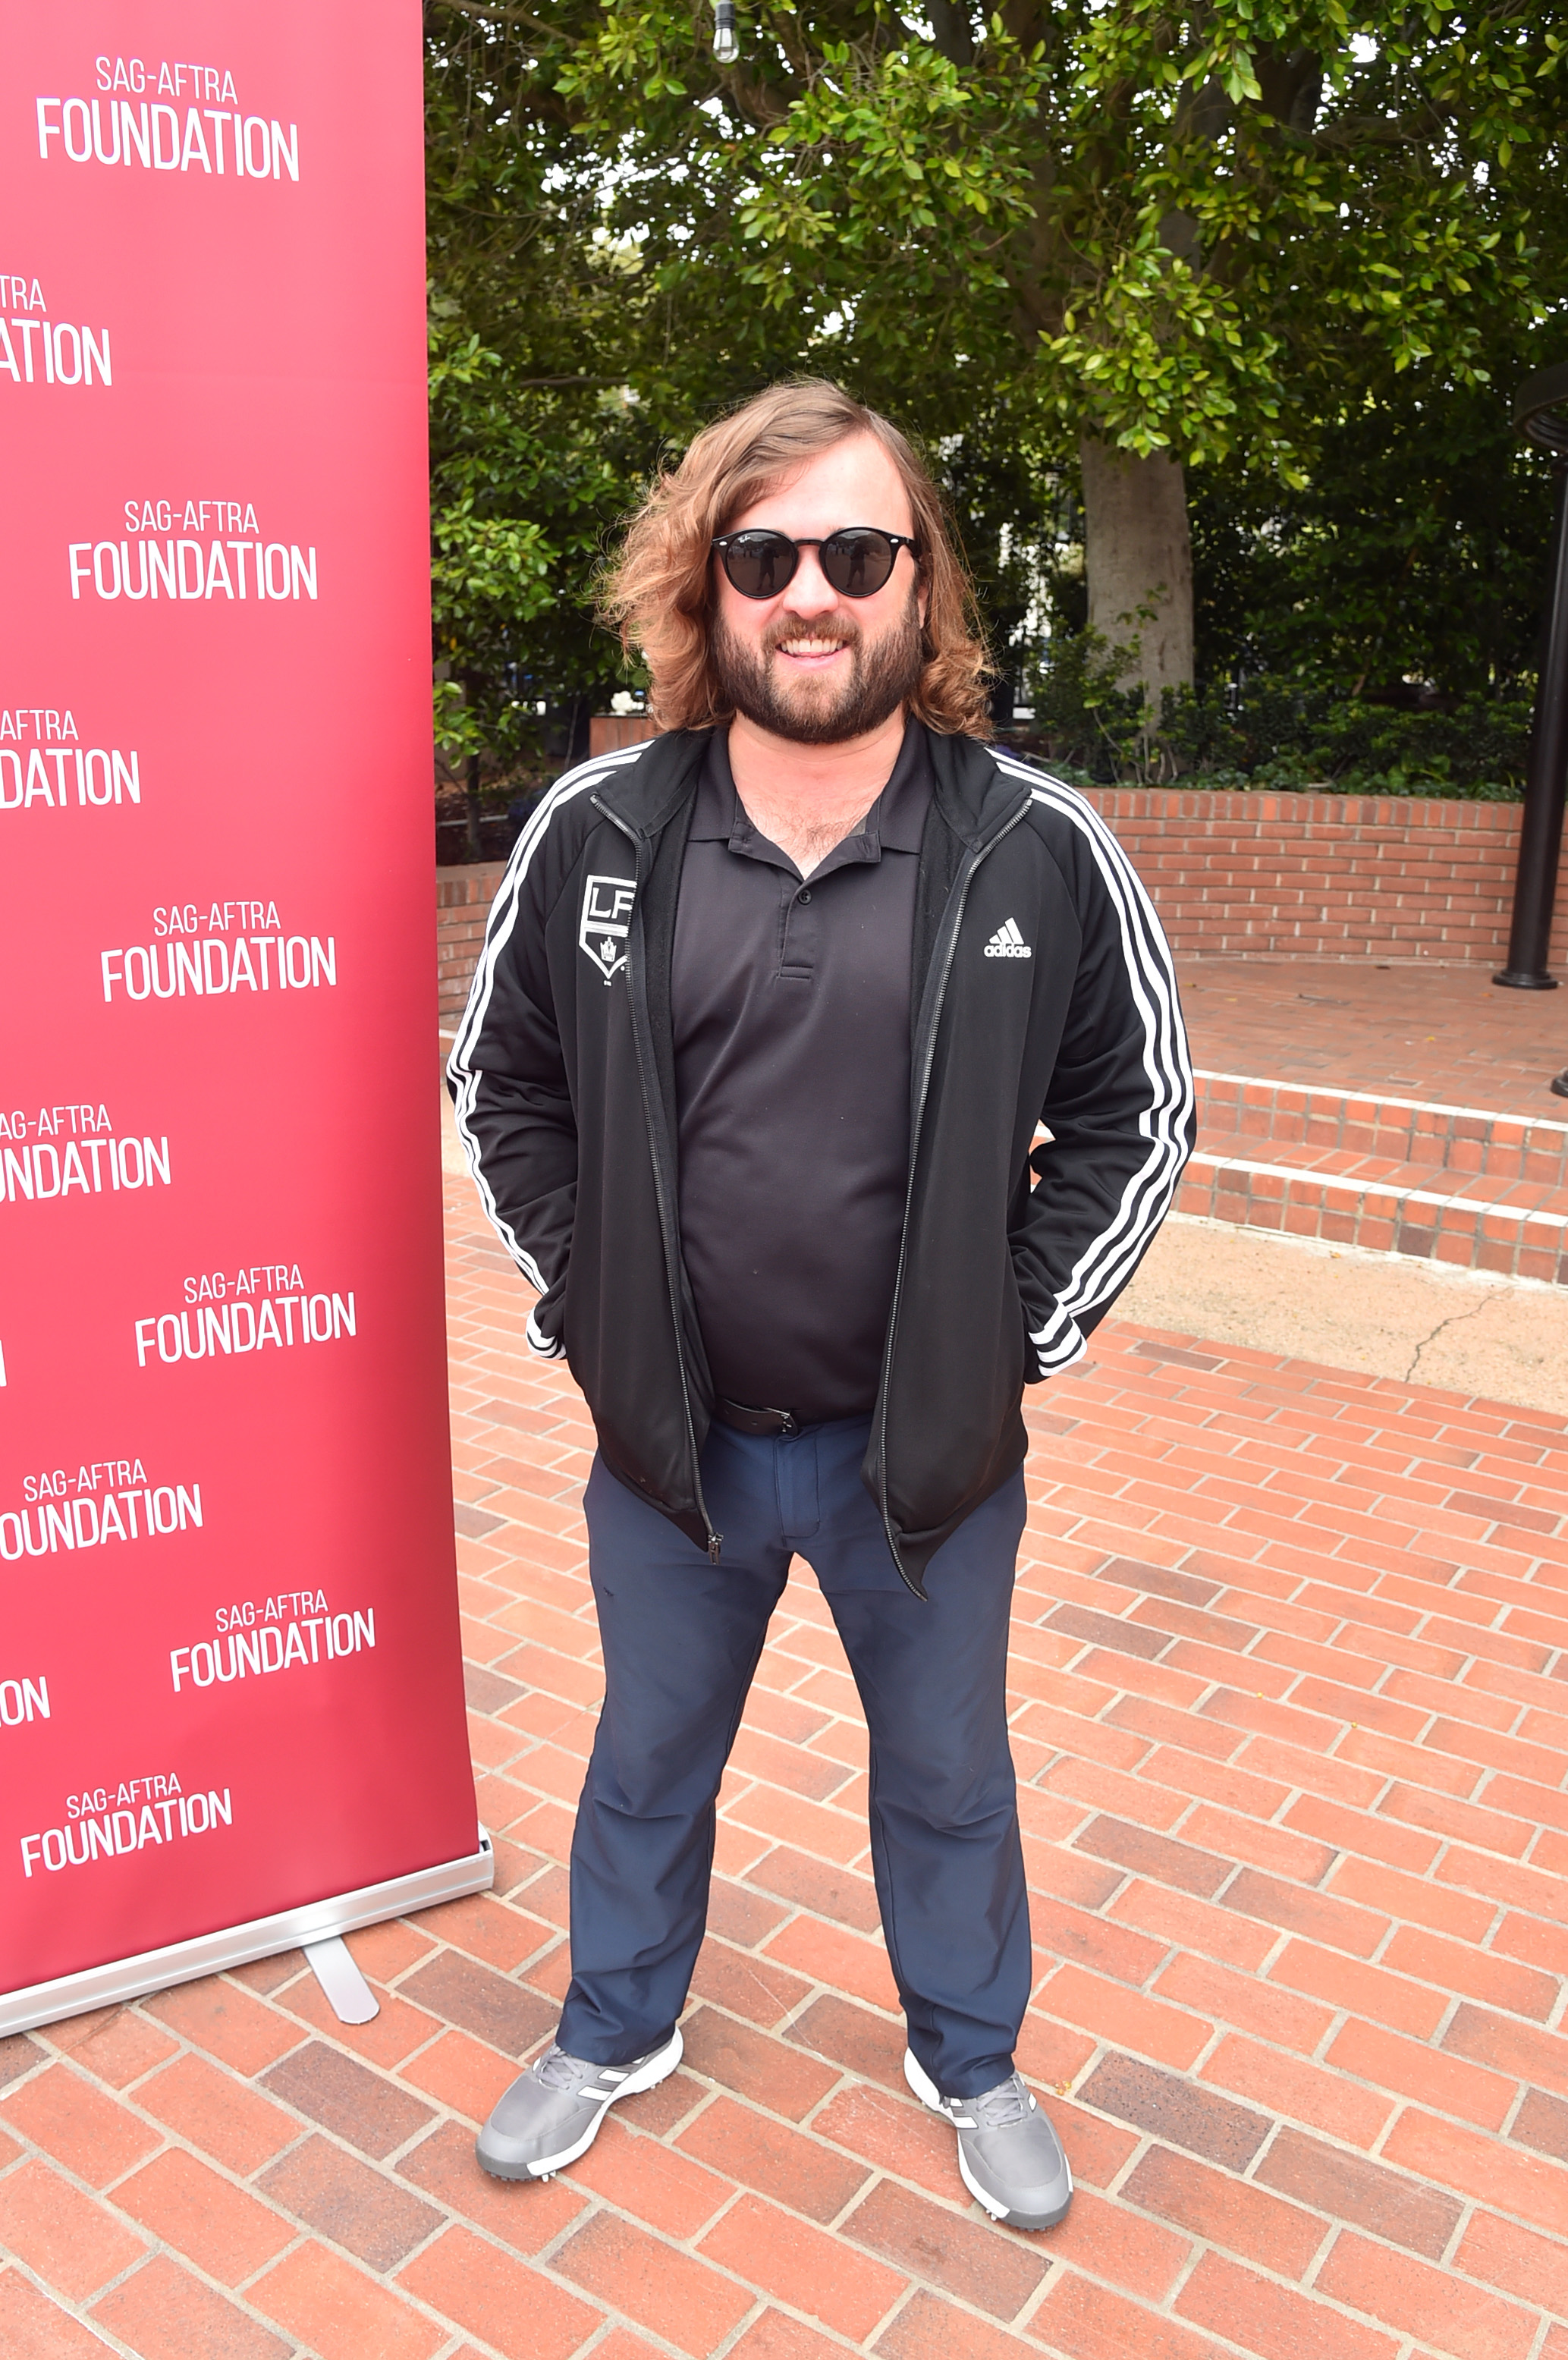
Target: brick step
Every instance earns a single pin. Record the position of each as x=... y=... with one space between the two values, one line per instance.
x=1452 y=1144
x=1382 y=1216
x=1516 y=1198
x=1455 y=1184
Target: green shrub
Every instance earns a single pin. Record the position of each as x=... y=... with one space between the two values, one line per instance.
x=1268 y=735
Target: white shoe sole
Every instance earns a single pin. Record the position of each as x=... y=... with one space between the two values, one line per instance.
x=648 y=2076
x=926 y=2091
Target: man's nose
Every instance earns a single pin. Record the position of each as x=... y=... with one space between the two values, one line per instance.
x=810 y=591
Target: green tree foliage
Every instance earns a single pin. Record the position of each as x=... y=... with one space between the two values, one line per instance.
x=1410 y=563
x=537 y=445
x=1275 y=238
x=587 y=316
x=1176 y=221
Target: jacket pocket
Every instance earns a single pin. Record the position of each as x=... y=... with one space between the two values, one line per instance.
x=1053 y=1341
x=1034 y=1319
x=545 y=1322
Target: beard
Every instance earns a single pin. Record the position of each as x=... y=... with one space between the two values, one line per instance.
x=882 y=676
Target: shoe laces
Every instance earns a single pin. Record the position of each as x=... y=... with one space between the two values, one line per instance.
x=1000 y=2109
x=557 y=2071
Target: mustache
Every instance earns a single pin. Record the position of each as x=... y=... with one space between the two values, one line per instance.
x=788 y=627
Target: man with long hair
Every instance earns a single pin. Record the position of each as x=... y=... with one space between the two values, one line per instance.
x=771 y=1012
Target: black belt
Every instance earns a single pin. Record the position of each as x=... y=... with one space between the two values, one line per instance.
x=747 y=1420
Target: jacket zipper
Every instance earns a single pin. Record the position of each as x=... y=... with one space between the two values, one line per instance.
x=926 y=1053
x=653 y=1113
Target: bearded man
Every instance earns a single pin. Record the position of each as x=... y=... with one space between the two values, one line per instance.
x=771 y=1011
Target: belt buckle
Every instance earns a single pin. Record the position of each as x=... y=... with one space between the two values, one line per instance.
x=749 y=1418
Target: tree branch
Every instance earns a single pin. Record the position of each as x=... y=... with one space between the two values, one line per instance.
x=754 y=98
x=1292 y=83
x=954 y=32
x=1200 y=113
x=499 y=15
x=1025 y=22
x=1374 y=130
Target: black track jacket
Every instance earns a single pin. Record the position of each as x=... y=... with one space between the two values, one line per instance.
x=1043 y=990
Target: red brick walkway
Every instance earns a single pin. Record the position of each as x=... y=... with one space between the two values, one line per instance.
x=1413 y=1032
x=1291 y=1720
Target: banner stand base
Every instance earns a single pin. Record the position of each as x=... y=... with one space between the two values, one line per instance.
x=347 y=1993
x=236 y=1946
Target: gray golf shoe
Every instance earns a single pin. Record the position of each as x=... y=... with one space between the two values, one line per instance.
x=551 y=2113
x=1010 y=2159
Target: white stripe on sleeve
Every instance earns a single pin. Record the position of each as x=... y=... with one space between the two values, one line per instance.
x=1111 y=1255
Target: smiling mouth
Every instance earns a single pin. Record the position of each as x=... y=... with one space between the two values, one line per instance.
x=811 y=650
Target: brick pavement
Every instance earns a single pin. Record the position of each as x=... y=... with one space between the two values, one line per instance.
x=1436 y=1032
x=1290 y=1710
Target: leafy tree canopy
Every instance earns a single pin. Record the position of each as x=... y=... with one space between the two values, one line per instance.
x=1259 y=235
x=1182 y=222
x=537 y=443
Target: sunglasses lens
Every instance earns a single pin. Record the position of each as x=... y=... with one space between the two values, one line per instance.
x=858 y=564
x=759 y=564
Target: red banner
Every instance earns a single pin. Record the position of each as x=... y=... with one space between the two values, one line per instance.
x=230 y=1682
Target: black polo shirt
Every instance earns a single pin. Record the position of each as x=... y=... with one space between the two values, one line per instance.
x=791 y=1015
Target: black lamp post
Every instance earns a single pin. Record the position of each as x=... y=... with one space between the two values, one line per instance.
x=1541 y=411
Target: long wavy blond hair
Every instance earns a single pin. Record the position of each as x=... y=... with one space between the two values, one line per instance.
x=659 y=593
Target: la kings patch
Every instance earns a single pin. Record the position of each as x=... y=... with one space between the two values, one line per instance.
x=605 y=922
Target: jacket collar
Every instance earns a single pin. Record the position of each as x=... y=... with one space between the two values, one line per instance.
x=972 y=794
x=646 y=794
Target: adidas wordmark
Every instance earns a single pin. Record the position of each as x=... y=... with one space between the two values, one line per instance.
x=1008 y=942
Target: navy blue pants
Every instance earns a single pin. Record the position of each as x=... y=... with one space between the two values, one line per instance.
x=682 y=1639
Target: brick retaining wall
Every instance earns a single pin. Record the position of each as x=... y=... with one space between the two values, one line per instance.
x=463 y=904
x=1352 y=877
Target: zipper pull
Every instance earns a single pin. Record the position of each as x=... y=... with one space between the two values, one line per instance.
x=715 y=1543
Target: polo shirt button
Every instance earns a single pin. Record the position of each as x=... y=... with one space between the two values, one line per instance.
x=804 y=894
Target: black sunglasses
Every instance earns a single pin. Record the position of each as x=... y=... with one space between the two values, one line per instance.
x=856 y=561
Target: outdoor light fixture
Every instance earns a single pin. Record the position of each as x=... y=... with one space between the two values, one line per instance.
x=727 y=46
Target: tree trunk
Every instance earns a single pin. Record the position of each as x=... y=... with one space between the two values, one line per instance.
x=1137 y=554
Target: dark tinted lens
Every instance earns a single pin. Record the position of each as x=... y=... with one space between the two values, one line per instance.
x=760 y=563
x=858 y=564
